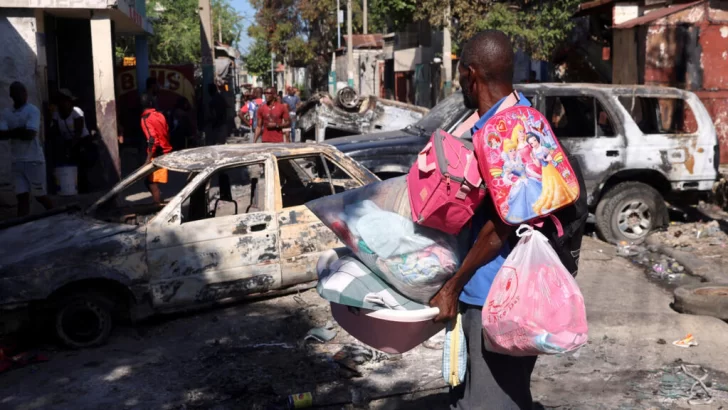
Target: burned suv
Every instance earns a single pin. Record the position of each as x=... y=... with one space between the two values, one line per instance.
x=637 y=145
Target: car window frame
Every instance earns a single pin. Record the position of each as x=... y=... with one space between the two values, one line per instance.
x=174 y=207
x=608 y=108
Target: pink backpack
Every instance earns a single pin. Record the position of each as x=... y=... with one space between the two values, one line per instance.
x=444 y=184
x=527 y=173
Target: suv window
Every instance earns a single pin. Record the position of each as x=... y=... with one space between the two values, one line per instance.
x=230 y=191
x=660 y=115
x=578 y=117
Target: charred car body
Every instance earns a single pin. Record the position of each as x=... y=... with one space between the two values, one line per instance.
x=323 y=117
x=235 y=225
x=637 y=145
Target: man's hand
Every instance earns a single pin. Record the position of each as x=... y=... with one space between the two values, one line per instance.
x=447 y=301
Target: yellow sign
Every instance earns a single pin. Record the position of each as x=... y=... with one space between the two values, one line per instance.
x=129 y=61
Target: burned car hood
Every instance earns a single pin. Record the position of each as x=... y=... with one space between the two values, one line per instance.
x=74 y=232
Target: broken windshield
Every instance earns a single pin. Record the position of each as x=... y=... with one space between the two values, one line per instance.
x=443 y=115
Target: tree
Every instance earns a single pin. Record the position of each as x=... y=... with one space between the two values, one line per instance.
x=257 y=60
x=176 y=26
x=386 y=16
x=301 y=32
x=535 y=27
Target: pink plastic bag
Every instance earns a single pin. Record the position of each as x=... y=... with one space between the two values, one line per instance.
x=534 y=305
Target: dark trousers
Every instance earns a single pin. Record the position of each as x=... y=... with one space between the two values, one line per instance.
x=493 y=381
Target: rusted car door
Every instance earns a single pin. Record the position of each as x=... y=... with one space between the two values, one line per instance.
x=218 y=239
x=303 y=235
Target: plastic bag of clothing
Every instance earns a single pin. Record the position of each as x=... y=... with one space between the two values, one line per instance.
x=374 y=223
x=534 y=305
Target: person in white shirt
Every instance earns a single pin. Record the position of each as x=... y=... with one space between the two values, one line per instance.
x=20 y=124
x=69 y=118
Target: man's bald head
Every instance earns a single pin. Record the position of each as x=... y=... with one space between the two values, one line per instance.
x=490 y=54
x=486 y=70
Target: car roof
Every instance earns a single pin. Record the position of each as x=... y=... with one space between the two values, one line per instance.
x=197 y=159
x=616 y=89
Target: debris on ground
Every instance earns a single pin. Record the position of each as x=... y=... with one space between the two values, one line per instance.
x=657 y=265
x=13 y=356
x=688 y=236
x=351 y=358
x=687 y=341
x=322 y=334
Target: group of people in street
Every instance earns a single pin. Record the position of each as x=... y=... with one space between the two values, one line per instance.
x=268 y=115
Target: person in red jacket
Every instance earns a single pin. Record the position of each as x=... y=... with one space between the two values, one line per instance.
x=155 y=129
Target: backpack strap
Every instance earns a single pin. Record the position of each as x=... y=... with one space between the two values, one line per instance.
x=559 y=228
x=422 y=164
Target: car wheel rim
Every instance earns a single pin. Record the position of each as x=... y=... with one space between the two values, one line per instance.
x=82 y=323
x=634 y=219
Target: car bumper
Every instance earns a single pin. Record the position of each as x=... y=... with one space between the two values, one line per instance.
x=705 y=185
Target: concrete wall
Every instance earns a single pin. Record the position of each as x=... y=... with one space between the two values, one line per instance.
x=18 y=62
x=407 y=59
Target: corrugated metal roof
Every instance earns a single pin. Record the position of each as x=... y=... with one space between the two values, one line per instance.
x=657 y=14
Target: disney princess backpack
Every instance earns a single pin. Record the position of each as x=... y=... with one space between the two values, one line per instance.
x=524 y=167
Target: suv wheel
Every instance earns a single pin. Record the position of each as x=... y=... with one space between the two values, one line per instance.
x=83 y=319
x=629 y=211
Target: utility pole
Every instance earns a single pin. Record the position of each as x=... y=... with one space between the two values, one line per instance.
x=365 y=17
x=207 y=55
x=219 y=29
x=350 y=46
x=272 y=69
x=447 y=53
x=338 y=21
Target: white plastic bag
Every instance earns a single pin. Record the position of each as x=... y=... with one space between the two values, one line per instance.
x=534 y=305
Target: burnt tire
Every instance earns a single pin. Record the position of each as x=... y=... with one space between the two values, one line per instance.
x=83 y=319
x=629 y=212
x=706 y=299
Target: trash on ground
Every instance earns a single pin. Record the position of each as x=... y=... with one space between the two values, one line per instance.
x=351 y=357
x=687 y=341
x=322 y=334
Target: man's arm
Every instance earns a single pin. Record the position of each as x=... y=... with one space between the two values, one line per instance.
x=489 y=243
x=285 y=120
x=21 y=133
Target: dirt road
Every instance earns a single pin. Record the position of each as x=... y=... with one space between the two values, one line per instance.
x=249 y=356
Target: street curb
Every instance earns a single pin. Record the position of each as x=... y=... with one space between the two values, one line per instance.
x=693 y=265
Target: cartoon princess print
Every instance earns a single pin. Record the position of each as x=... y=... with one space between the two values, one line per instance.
x=556 y=191
x=524 y=149
x=525 y=184
x=494 y=141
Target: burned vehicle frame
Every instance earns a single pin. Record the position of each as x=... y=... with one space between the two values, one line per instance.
x=237 y=227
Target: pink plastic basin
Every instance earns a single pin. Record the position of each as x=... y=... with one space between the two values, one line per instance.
x=391 y=331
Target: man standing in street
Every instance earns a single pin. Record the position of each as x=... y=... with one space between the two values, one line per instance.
x=293 y=102
x=218 y=114
x=272 y=119
x=20 y=125
x=492 y=381
x=155 y=129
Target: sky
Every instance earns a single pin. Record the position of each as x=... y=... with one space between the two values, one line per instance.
x=246 y=11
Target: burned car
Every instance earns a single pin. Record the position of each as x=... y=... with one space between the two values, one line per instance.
x=322 y=117
x=637 y=145
x=233 y=224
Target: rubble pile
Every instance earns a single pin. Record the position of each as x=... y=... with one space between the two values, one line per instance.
x=689 y=237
